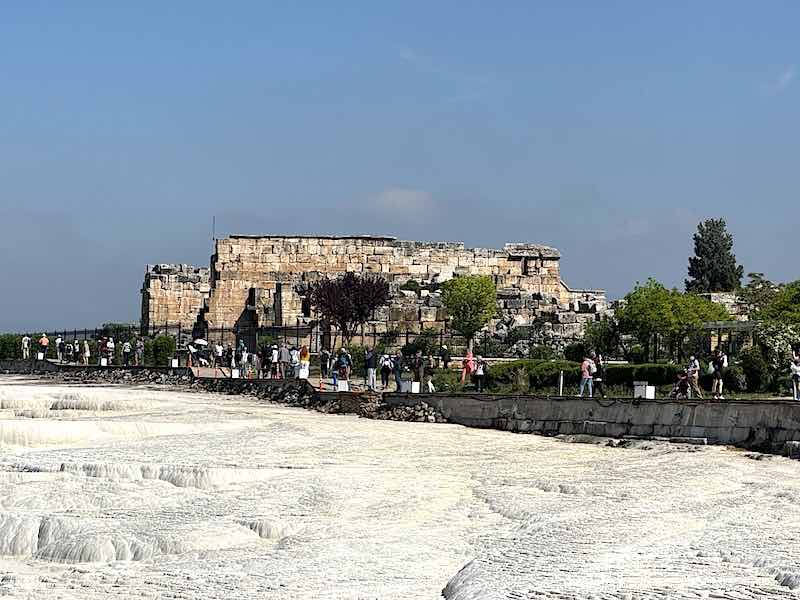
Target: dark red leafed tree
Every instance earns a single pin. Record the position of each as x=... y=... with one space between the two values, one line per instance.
x=347 y=301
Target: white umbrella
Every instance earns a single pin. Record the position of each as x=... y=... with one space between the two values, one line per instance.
x=201 y=342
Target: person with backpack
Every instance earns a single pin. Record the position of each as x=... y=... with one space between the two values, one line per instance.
x=324 y=363
x=44 y=343
x=587 y=370
x=386 y=370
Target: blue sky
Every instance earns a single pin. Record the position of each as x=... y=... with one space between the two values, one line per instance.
x=605 y=129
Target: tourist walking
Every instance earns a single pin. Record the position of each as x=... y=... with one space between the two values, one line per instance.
x=26 y=347
x=324 y=363
x=285 y=358
x=59 y=349
x=418 y=368
x=68 y=352
x=467 y=366
x=305 y=363
x=139 y=356
x=444 y=356
x=693 y=373
x=86 y=353
x=126 y=353
x=294 y=361
x=717 y=365
x=386 y=370
x=218 y=354
x=480 y=373
x=369 y=364
x=44 y=343
x=795 y=370
x=587 y=369
x=398 y=370
x=111 y=349
x=598 y=379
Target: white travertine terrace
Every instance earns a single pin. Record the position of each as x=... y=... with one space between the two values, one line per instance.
x=121 y=493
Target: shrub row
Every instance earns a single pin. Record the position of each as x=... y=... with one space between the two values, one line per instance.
x=544 y=374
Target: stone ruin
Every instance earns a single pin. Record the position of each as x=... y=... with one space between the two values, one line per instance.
x=252 y=282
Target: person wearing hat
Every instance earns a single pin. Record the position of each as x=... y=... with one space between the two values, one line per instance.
x=444 y=356
x=44 y=342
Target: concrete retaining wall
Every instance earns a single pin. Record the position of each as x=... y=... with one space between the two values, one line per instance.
x=757 y=424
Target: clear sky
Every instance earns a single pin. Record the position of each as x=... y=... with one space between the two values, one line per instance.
x=606 y=129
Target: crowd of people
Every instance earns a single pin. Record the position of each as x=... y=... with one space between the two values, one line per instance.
x=80 y=351
x=281 y=361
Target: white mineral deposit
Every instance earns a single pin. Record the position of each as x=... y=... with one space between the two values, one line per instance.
x=110 y=492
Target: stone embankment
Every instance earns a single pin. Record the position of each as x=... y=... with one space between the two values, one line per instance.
x=764 y=425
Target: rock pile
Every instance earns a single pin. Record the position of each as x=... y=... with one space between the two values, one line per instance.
x=421 y=413
x=121 y=376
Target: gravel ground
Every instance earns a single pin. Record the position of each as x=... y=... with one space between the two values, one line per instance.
x=126 y=492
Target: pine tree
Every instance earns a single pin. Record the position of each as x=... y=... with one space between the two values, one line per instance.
x=713 y=267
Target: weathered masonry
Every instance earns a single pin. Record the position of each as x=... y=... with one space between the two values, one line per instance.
x=252 y=281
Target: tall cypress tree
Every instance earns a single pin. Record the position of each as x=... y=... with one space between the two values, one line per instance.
x=713 y=267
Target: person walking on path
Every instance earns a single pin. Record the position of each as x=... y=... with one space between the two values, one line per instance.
x=44 y=343
x=795 y=369
x=718 y=363
x=418 y=368
x=305 y=363
x=444 y=356
x=467 y=366
x=599 y=376
x=285 y=358
x=480 y=373
x=398 y=370
x=587 y=368
x=111 y=348
x=294 y=360
x=386 y=370
x=369 y=364
x=275 y=362
x=139 y=356
x=324 y=363
x=86 y=353
x=693 y=373
x=126 y=353
x=59 y=349
x=26 y=347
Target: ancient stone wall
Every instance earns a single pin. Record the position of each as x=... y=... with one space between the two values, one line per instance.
x=173 y=294
x=253 y=282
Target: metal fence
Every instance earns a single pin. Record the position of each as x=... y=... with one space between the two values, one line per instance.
x=311 y=335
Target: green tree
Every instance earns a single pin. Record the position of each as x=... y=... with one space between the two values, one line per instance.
x=652 y=314
x=758 y=294
x=713 y=267
x=783 y=307
x=603 y=337
x=471 y=302
x=645 y=313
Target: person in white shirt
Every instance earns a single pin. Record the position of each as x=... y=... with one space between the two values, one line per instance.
x=218 y=350
x=86 y=352
x=59 y=351
x=26 y=347
x=795 y=369
x=693 y=372
x=110 y=348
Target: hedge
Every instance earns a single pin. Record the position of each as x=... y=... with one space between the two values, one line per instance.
x=543 y=374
